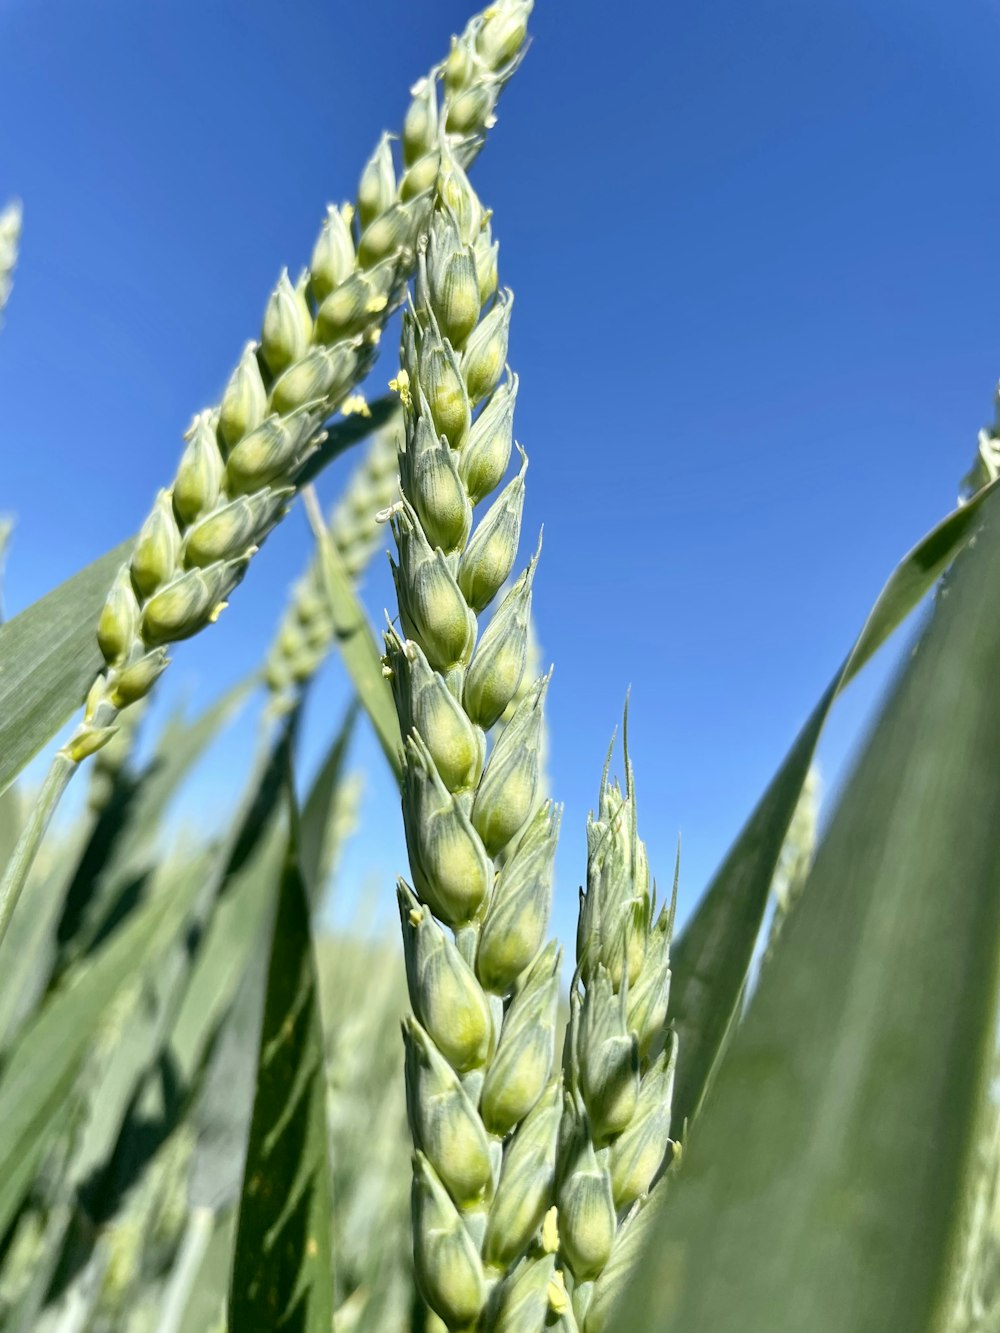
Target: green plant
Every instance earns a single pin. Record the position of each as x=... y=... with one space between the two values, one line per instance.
x=244 y=459
x=205 y=1107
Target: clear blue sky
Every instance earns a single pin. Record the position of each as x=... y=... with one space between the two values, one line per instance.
x=756 y=254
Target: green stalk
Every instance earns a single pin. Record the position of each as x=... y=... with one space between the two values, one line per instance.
x=42 y=810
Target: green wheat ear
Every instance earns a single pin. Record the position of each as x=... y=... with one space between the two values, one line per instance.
x=240 y=467
x=484 y=1098
x=620 y=1053
x=10 y=236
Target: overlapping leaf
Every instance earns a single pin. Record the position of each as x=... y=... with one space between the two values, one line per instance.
x=712 y=957
x=48 y=660
x=823 y=1186
x=44 y=1064
x=282 y=1269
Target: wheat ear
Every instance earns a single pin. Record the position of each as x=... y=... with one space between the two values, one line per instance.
x=620 y=1054
x=239 y=470
x=483 y=1097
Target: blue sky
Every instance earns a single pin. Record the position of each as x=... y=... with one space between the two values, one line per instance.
x=755 y=253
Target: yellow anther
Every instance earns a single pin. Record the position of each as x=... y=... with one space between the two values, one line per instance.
x=557 y=1294
x=401 y=385
x=550 y=1231
x=355 y=405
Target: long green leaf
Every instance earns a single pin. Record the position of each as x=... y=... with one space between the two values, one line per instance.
x=221 y=1114
x=282 y=1269
x=154 y=1072
x=137 y=1086
x=246 y=877
x=11 y=817
x=49 y=659
x=44 y=1063
x=206 y=1305
x=316 y=834
x=160 y=1073
x=712 y=958
x=356 y=642
x=126 y=836
x=823 y=1188
x=30 y=949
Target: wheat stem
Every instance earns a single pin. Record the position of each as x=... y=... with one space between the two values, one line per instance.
x=16 y=872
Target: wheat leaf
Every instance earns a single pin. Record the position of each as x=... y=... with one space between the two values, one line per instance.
x=282 y=1268
x=48 y=660
x=823 y=1186
x=712 y=957
x=361 y=654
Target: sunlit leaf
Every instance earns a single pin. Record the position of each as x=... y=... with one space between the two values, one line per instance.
x=49 y=1053
x=712 y=957
x=317 y=834
x=361 y=654
x=49 y=658
x=822 y=1188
